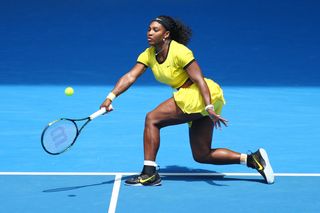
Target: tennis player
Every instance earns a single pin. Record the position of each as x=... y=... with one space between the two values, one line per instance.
x=197 y=101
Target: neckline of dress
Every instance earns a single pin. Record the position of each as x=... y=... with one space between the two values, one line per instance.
x=165 y=58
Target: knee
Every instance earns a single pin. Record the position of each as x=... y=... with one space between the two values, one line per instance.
x=150 y=119
x=200 y=158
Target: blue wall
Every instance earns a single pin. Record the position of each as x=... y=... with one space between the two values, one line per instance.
x=95 y=42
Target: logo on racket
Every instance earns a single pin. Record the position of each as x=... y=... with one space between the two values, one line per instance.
x=58 y=136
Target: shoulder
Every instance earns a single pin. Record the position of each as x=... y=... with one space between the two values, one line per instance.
x=148 y=51
x=178 y=47
x=146 y=56
x=182 y=54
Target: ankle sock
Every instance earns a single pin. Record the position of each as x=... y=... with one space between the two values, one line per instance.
x=243 y=159
x=149 y=167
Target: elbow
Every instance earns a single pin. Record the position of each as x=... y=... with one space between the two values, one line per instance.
x=126 y=80
x=130 y=78
x=198 y=81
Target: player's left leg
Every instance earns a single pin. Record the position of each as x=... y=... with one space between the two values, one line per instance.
x=259 y=160
x=200 y=134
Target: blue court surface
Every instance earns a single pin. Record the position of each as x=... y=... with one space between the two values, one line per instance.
x=90 y=176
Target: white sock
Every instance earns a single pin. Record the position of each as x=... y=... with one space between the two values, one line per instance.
x=150 y=163
x=243 y=159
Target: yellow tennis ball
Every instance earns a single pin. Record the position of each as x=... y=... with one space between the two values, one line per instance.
x=69 y=91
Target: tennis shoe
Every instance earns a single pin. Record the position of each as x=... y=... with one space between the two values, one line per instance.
x=259 y=160
x=145 y=180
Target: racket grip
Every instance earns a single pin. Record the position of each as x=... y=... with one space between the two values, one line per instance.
x=99 y=112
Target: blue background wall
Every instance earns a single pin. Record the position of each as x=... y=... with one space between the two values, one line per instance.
x=95 y=42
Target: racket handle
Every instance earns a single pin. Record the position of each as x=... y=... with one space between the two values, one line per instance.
x=99 y=112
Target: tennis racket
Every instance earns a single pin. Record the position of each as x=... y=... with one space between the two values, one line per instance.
x=60 y=135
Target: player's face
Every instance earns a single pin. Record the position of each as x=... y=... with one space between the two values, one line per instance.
x=156 y=33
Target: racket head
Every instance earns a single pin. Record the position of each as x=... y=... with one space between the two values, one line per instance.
x=59 y=135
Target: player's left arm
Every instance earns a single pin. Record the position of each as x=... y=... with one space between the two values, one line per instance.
x=196 y=76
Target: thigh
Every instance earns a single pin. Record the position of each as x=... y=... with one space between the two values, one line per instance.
x=200 y=134
x=168 y=113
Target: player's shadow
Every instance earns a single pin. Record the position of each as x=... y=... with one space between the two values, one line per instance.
x=69 y=188
x=216 y=179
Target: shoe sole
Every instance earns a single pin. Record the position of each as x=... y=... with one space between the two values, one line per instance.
x=139 y=184
x=268 y=171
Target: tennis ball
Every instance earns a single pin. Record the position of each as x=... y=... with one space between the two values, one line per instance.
x=69 y=91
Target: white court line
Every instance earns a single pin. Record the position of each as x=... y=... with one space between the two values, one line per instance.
x=115 y=194
x=118 y=177
x=163 y=174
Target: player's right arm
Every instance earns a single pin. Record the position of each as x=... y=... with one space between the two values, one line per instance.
x=125 y=82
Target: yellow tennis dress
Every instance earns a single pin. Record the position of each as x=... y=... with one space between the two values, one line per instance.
x=172 y=72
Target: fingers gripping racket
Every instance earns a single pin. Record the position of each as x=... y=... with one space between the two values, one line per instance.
x=59 y=135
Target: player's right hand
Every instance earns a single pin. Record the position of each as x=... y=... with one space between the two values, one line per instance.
x=107 y=104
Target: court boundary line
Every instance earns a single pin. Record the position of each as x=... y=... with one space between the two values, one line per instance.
x=115 y=194
x=162 y=174
x=118 y=178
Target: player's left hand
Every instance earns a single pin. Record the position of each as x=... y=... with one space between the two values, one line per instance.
x=217 y=119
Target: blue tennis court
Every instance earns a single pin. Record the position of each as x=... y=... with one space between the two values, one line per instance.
x=265 y=56
x=89 y=177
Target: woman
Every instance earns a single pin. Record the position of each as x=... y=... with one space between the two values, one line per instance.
x=198 y=101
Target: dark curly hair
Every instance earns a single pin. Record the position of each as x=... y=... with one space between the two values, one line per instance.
x=178 y=31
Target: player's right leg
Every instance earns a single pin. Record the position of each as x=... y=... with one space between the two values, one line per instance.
x=166 y=114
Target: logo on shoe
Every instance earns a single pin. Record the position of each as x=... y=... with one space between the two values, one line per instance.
x=147 y=179
x=260 y=167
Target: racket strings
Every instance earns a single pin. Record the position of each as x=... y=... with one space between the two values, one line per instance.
x=59 y=136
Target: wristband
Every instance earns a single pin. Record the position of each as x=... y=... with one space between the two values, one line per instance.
x=111 y=96
x=209 y=106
